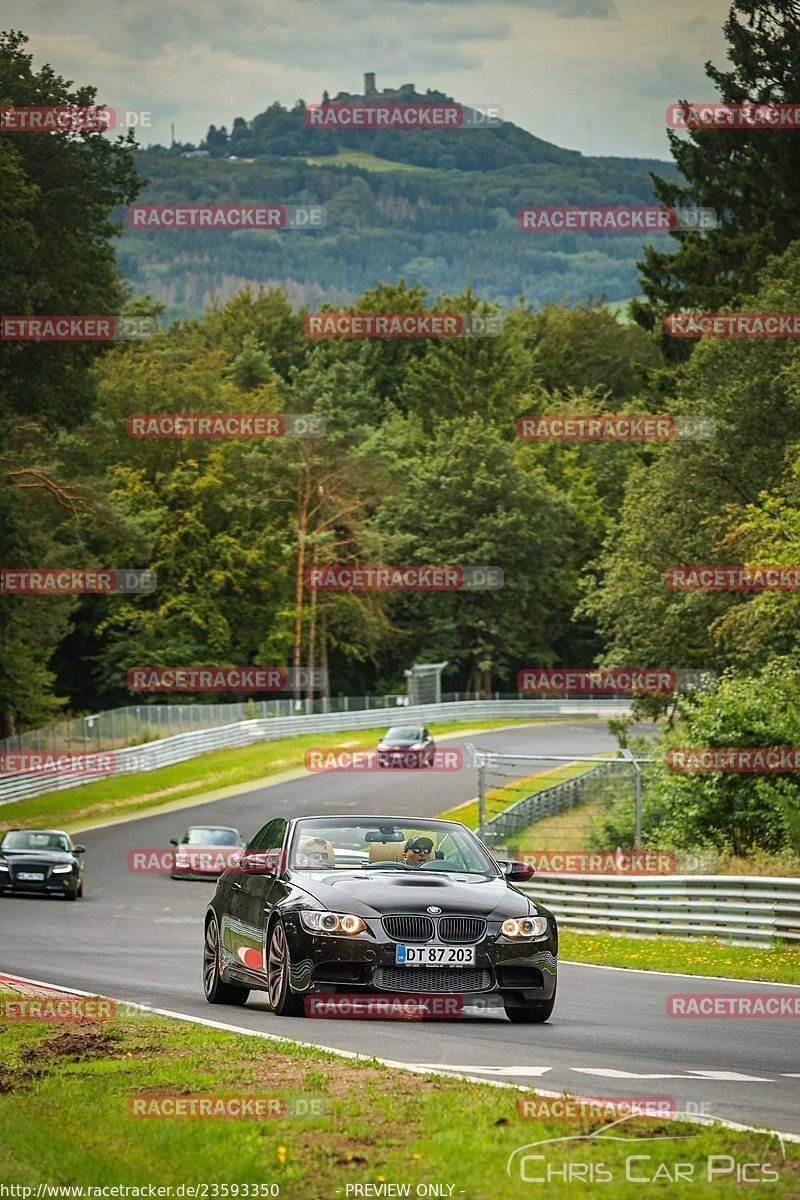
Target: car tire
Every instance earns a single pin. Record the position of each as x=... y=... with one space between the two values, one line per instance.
x=80 y=890
x=283 y=1001
x=532 y=1014
x=216 y=991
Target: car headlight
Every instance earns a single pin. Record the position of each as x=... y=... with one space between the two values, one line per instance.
x=330 y=922
x=3 y=866
x=524 y=927
x=65 y=870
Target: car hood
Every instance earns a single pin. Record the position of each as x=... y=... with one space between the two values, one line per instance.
x=237 y=850
x=380 y=892
x=399 y=743
x=39 y=856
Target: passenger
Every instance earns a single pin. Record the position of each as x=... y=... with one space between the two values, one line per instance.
x=312 y=854
x=417 y=851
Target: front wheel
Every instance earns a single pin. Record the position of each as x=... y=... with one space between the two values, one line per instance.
x=283 y=1001
x=216 y=990
x=532 y=1014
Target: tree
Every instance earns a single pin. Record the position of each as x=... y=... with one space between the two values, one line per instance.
x=59 y=193
x=683 y=508
x=748 y=177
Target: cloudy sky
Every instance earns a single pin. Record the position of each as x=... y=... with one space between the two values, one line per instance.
x=591 y=75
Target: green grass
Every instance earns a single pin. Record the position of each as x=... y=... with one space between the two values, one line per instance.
x=501 y=798
x=66 y=1087
x=700 y=956
x=127 y=795
x=360 y=158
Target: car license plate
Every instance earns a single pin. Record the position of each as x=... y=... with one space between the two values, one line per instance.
x=435 y=956
x=29 y=876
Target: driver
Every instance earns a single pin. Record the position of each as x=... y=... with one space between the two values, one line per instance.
x=417 y=851
x=312 y=854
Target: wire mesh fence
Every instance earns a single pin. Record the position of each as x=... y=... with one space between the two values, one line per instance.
x=573 y=817
x=118 y=728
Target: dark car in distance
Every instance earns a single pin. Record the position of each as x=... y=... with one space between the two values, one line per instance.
x=205 y=851
x=42 y=862
x=327 y=904
x=406 y=746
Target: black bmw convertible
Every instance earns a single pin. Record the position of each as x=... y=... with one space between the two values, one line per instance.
x=326 y=905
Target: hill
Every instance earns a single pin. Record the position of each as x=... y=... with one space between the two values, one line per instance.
x=436 y=207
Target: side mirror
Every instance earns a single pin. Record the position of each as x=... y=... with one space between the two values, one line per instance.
x=262 y=862
x=78 y=849
x=173 y=841
x=517 y=872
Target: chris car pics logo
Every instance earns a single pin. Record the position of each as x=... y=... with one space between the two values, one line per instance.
x=616 y=1153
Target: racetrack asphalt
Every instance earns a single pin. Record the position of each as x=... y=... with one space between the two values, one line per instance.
x=138 y=937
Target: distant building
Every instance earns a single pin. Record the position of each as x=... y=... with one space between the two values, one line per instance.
x=195 y=154
x=406 y=91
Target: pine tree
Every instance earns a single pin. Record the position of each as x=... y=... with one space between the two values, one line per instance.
x=751 y=178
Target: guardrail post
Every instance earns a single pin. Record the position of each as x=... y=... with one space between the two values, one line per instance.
x=481 y=797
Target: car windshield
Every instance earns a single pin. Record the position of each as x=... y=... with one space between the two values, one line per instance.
x=403 y=733
x=34 y=839
x=200 y=836
x=342 y=843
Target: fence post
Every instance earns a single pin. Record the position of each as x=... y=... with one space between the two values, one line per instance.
x=637 y=834
x=481 y=797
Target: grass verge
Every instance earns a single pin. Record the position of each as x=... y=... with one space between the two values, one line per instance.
x=700 y=956
x=66 y=1092
x=500 y=798
x=126 y=795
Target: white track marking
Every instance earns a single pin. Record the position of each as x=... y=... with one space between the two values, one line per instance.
x=614 y=1073
x=691 y=1118
x=567 y=962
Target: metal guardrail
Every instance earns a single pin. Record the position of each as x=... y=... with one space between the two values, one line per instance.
x=755 y=910
x=554 y=800
x=183 y=746
x=133 y=724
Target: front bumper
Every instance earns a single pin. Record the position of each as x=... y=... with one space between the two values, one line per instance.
x=194 y=873
x=51 y=885
x=404 y=758
x=324 y=964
